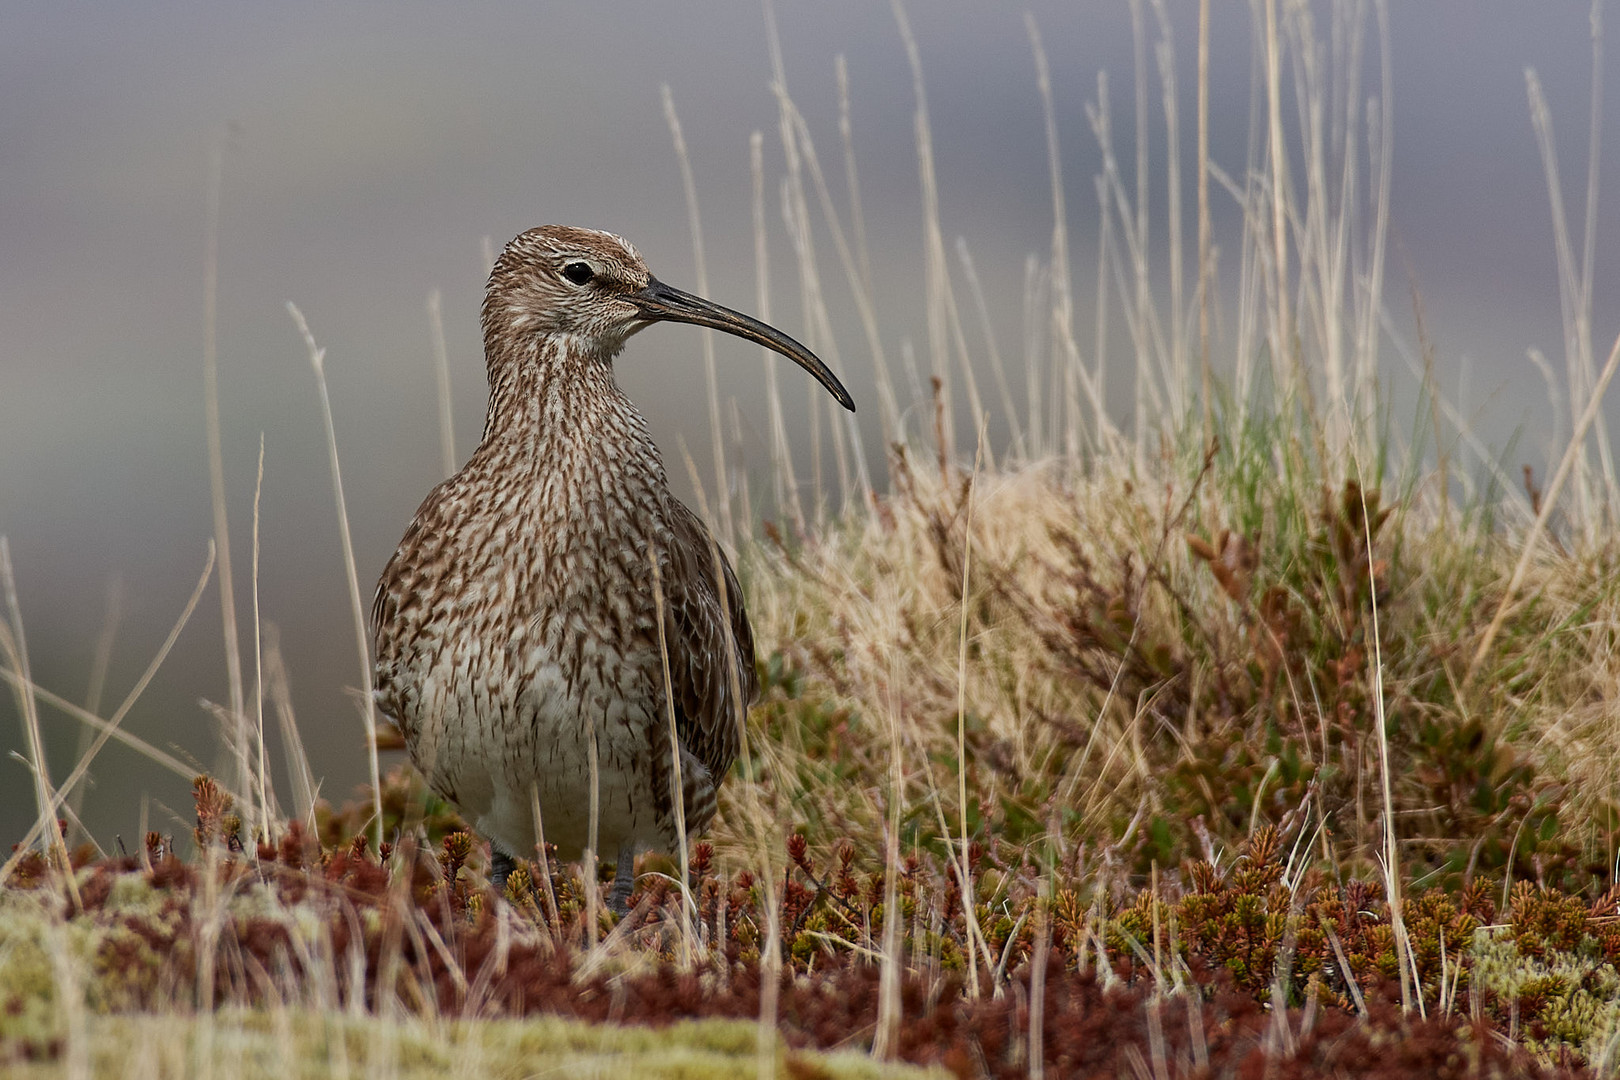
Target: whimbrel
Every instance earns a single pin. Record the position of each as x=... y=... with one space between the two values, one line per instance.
x=516 y=631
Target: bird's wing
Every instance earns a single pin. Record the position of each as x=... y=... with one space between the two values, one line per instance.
x=399 y=604
x=711 y=646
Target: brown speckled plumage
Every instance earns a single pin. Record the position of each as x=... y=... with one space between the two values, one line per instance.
x=517 y=616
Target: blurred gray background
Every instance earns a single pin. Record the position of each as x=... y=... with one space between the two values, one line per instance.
x=368 y=150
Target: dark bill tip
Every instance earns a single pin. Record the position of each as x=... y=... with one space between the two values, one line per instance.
x=665 y=303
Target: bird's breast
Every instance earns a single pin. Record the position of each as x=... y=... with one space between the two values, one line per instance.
x=520 y=575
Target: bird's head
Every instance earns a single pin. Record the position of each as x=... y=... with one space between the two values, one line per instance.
x=592 y=286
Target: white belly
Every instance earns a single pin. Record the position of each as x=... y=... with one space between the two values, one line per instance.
x=492 y=761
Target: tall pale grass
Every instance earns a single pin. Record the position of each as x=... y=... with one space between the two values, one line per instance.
x=1310 y=318
x=368 y=704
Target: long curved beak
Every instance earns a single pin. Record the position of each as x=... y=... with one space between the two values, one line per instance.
x=665 y=303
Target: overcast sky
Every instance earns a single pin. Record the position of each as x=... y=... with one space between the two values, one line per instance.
x=369 y=150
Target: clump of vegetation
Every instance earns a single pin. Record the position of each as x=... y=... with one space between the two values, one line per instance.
x=1159 y=677
x=1254 y=961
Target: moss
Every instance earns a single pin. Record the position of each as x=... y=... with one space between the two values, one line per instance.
x=283 y=1045
x=29 y=1020
x=1558 y=1000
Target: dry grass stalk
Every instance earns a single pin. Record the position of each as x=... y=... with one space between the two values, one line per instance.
x=236 y=735
x=97 y=682
x=676 y=786
x=265 y=812
x=441 y=376
x=368 y=707
x=722 y=478
x=110 y=728
x=1572 y=456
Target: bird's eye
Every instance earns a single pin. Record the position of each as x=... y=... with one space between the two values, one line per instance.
x=579 y=273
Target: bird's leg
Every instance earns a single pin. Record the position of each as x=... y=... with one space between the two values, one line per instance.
x=624 y=880
x=500 y=868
